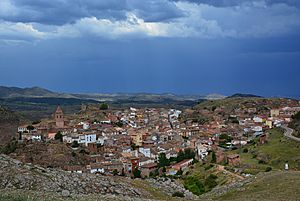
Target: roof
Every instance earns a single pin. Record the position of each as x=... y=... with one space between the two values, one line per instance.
x=150 y=165
x=182 y=162
x=58 y=110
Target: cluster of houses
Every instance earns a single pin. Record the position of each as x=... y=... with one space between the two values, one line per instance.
x=130 y=139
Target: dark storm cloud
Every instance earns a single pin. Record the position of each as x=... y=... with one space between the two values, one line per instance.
x=59 y=12
x=224 y=3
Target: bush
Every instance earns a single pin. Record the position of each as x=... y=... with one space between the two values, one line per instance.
x=163 y=161
x=10 y=147
x=30 y=127
x=136 y=173
x=194 y=185
x=213 y=157
x=83 y=151
x=209 y=167
x=178 y=194
x=58 y=136
x=262 y=162
x=103 y=106
x=210 y=181
x=115 y=172
x=75 y=144
x=268 y=169
x=245 y=150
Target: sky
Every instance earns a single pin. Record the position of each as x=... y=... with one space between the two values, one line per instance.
x=156 y=46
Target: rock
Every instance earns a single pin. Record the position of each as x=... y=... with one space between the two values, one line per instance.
x=65 y=193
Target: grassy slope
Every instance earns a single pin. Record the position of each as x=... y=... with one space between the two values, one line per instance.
x=278 y=150
x=275 y=186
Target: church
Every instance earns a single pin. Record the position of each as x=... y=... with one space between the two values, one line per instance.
x=59 y=118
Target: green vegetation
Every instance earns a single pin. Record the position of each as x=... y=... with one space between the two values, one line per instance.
x=295 y=124
x=163 y=161
x=224 y=138
x=36 y=122
x=186 y=154
x=10 y=147
x=75 y=144
x=115 y=172
x=136 y=173
x=203 y=178
x=30 y=127
x=213 y=157
x=279 y=185
x=104 y=106
x=210 y=182
x=178 y=194
x=58 y=136
x=273 y=154
x=194 y=185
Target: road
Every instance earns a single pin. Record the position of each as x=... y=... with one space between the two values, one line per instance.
x=288 y=133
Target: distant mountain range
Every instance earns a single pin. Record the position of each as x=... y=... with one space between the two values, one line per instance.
x=37 y=92
x=238 y=95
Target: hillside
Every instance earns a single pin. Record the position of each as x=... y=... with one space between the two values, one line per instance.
x=267 y=186
x=10 y=92
x=26 y=181
x=9 y=122
x=239 y=95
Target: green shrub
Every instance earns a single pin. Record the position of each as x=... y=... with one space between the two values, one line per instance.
x=136 y=173
x=178 y=194
x=268 y=169
x=103 y=106
x=194 y=185
x=210 y=182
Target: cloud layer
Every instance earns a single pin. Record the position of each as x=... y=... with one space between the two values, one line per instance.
x=40 y=20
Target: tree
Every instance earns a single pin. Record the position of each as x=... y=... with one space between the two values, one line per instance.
x=213 y=157
x=75 y=144
x=30 y=127
x=179 y=172
x=104 y=106
x=115 y=172
x=214 y=108
x=162 y=160
x=189 y=153
x=119 y=124
x=180 y=156
x=123 y=172
x=58 y=136
x=186 y=154
x=296 y=116
x=136 y=173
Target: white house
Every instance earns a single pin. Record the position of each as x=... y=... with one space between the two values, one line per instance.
x=97 y=169
x=22 y=129
x=257 y=119
x=257 y=129
x=202 y=150
x=90 y=138
x=145 y=151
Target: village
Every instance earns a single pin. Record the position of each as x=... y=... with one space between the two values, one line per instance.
x=137 y=142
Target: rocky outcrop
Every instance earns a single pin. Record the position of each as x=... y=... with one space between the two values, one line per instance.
x=171 y=186
x=17 y=175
